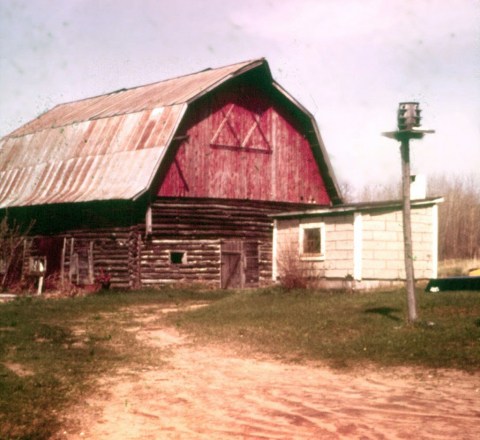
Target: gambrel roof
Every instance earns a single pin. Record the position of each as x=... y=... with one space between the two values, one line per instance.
x=110 y=147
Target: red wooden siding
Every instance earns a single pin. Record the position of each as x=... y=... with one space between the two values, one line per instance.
x=241 y=147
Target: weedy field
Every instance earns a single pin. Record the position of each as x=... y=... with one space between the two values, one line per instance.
x=344 y=329
x=53 y=351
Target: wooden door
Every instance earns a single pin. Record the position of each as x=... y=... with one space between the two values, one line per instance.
x=233 y=267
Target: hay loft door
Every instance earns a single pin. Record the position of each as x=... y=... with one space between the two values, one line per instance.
x=233 y=266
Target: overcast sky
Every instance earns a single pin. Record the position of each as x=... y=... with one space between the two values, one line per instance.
x=350 y=62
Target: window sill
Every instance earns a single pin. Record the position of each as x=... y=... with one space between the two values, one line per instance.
x=312 y=257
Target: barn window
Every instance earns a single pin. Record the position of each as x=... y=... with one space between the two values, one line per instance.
x=312 y=241
x=178 y=257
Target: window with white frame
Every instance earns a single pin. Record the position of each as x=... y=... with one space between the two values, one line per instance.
x=312 y=241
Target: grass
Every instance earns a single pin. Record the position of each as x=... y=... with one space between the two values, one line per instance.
x=346 y=330
x=53 y=351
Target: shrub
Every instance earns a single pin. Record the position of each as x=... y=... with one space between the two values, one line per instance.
x=291 y=271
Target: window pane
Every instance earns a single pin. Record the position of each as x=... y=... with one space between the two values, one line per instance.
x=311 y=241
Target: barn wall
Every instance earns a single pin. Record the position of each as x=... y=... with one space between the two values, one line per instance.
x=201 y=228
x=196 y=228
x=240 y=146
x=85 y=253
x=201 y=262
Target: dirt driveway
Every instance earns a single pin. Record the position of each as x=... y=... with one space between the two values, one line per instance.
x=215 y=393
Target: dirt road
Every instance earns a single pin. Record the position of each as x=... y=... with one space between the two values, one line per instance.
x=216 y=393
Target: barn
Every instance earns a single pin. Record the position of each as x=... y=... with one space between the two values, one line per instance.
x=169 y=182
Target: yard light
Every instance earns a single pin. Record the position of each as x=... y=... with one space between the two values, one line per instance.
x=408 y=122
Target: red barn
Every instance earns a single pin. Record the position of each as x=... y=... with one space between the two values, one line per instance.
x=168 y=182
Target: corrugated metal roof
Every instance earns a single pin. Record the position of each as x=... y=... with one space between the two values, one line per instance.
x=103 y=148
x=110 y=158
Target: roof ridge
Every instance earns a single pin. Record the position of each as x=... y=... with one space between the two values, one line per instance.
x=173 y=78
x=137 y=98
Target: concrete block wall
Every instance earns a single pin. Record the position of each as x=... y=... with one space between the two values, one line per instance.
x=338 y=261
x=382 y=253
x=381 y=246
x=339 y=246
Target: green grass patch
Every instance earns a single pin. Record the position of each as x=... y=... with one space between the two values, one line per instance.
x=345 y=330
x=52 y=352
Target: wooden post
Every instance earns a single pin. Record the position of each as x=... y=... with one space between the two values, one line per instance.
x=62 y=263
x=91 y=272
x=73 y=264
x=407 y=231
x=408 y=121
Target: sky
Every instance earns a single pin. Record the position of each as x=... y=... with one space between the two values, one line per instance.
x=349 y=62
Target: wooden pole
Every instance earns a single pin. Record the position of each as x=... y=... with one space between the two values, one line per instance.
x=407 y=231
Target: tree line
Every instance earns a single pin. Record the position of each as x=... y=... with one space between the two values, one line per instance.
x=459 y=216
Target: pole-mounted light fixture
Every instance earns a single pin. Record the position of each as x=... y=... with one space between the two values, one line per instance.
x=408 y=122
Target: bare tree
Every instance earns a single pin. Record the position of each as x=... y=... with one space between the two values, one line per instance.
x=12 y=237
x=459 y=215
x=347 y=191
x=378 y=192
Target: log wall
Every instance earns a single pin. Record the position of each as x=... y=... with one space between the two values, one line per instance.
x=183 y=245
x=198 y=228
x=199 y=262
x=86 y=253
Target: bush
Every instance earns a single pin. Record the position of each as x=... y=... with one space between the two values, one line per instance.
x=292 y=272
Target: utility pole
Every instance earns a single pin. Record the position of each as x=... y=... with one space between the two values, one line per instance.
x=408 y=120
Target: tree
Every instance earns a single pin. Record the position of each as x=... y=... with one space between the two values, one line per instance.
x=459 y=215
x=12 y=237
x=377 y=192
